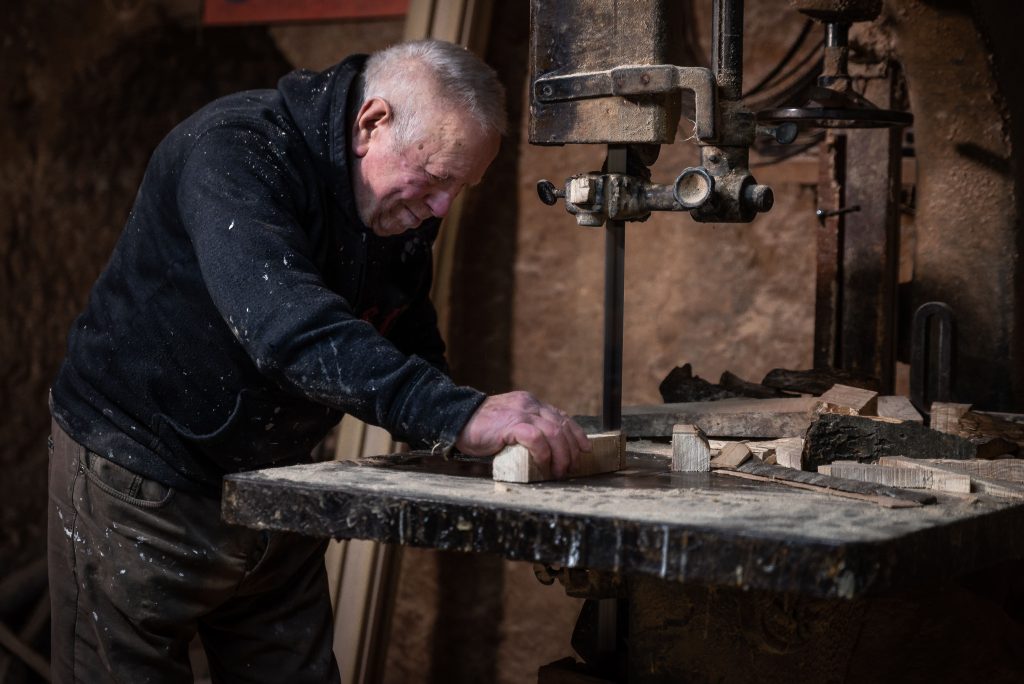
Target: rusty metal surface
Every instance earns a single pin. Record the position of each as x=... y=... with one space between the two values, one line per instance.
x=870 y=249
x=578 y=36
x=644 y=520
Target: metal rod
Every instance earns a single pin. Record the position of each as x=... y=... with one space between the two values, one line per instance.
x=727 y=48
x=614 y=288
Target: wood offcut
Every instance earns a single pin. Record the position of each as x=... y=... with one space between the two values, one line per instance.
x=981 y=485
x=853 y=401
x=690 y=450
x=515 y=463
x=895 y=476
x=889 y=497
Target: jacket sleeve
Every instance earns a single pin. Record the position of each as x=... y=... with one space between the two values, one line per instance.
x=239 y=197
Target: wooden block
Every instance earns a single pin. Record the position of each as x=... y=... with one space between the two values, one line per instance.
x=850 y=400
x=945 y=417
x=732 y=455
x=895 y=476
x=515 y=464
x=737 y=418
x=690 y=450
x=982 y=485
x=900 y=408
x=789 y=451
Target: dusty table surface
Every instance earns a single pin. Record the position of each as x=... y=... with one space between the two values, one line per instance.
x=702 y=527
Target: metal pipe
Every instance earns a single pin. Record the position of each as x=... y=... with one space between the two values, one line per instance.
x=727 y=48
x=614 y=288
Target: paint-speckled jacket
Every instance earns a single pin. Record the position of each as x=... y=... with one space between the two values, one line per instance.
x=246 y=307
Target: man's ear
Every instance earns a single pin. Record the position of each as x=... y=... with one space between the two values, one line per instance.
x=373 y=114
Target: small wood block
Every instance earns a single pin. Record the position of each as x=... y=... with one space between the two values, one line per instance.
x=852 y=401
x=515 y=464
x=732 y=455
x=907 y=478
x=945 y=417
x=690 y=450
x=900 y=408
x=982 y=485
x=789 y=451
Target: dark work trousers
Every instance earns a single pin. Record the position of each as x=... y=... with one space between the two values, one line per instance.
x=137 y=569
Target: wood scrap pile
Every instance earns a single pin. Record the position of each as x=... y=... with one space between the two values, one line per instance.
x=848 y=435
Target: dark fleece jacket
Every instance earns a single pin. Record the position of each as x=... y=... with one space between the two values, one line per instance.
x=246 y=307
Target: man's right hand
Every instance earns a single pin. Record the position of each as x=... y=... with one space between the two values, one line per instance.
x=519 y=418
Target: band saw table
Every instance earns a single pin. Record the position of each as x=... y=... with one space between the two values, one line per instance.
x=804 y=568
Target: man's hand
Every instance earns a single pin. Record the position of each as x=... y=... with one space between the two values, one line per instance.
x=519 y=418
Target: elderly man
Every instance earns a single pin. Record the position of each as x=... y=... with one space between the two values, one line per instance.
x=272 y=276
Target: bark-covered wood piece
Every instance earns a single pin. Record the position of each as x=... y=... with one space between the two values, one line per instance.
x=851 y=400
x=899 y=408
x=897 y=476
x=995 y=432
x=833 y=437
x=754 y=390
x=890 y=497
x=690 y=450
x=816 y=380
x=681 y=385
x=982 y=485
x=514 y=463
x=739 y=418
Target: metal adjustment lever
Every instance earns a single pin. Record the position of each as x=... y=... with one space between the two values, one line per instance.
x=548 y=193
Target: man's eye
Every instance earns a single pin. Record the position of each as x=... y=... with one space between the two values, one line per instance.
x=435 y=179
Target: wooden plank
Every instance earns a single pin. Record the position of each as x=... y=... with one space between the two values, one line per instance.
x=1009 y=469
x=835 y=437
x=981 y=485
x=514 y=463
x=895 y=476
x=945 y=416
x=732 y=455
x=899 y=408
x=741 y=418
x=690 y=450
x=851 y=400
x=891 y=497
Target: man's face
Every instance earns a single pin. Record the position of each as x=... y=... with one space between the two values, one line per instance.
x=398 y=186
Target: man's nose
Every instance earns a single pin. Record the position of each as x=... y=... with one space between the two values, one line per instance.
x=440 y=201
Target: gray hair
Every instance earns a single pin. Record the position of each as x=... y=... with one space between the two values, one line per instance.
x=411 y=76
